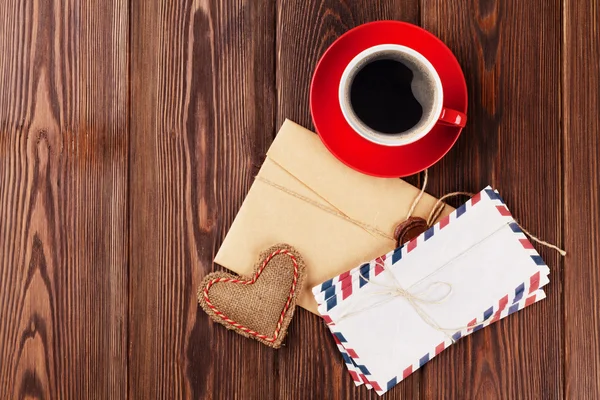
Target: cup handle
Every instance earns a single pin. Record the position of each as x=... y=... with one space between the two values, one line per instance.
x=452 y=117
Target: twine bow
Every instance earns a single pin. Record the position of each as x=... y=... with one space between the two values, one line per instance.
x=414 y=299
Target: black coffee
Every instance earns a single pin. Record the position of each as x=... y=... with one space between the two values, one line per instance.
x=381 y=97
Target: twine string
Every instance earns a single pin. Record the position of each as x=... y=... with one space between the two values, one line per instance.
x=419 y=196
x=370 y=229
x=412 y=296
x=396 y=290
x=332 y=209
x=439 y=206
x=415 y=300
x=373 y=230
x=540 y=241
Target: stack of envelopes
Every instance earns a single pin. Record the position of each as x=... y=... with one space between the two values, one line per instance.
x=392 y=315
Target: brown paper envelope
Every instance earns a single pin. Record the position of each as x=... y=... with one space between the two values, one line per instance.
x=309 y=178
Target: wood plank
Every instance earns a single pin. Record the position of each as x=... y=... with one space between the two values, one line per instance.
x=581 y=102
x=63 y=196
x=510 y=53
x=304 y=31
x=202 y=114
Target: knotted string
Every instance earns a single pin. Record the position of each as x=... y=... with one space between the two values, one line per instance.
x=397 y=291
x=416 y=300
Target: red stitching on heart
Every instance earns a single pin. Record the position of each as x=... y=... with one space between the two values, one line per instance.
x=250 y=282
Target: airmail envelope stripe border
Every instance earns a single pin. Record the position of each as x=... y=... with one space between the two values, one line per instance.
x=391 y=258
x=387 y=260
x=350 y=364
x=518 y=305
x=498 y=310
x=329 y=285
x=350 y=359
x=349 y=356
x=490 y=316
x=347 y=283
x=333 y=298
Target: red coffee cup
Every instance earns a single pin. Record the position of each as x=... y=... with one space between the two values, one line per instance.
x=425 y=85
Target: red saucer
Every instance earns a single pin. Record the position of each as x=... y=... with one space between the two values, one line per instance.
x=351 y=148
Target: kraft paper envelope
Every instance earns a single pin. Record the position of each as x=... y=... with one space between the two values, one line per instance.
x=292 y=199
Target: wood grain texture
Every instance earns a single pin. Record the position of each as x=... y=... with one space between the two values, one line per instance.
x=130 y=132
x=203 y=99
x=581 y=102
x=510 y=52
x=305 y=29
x=63 y=199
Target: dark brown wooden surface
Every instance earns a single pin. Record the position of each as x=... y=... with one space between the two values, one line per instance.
x=130 y=132
x=581 y=198
x=203 y=106
x=513 y=142
x=63 y=199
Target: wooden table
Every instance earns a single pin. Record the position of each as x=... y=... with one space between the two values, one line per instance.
x=130 y=132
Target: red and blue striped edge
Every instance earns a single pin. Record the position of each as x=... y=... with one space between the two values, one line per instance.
x=350 y=362
x=496 y=312
x=349 y=356
x=339 y=288
x=376 y=266
x=357 y=371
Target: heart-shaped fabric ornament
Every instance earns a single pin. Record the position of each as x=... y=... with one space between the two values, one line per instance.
x=259 y=306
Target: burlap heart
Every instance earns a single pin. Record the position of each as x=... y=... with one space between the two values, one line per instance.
x=259 y=306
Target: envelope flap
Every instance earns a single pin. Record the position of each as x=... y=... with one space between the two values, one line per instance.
x=378 y=202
